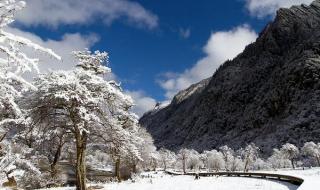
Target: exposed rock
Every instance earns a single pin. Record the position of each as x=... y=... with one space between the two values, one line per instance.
x=10 y=183
x=268 y=95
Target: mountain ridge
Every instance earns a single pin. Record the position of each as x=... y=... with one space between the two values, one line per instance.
x=267 y=95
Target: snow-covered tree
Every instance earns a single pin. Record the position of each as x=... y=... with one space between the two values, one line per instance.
x=154 y=160
x=84 y=104
x=133 y=155
x=167 y=157
x=193 y=160
x=249 y=155
x=214 y=160
x=14 y=62
x=147 y=149
x=122 y=145
x=313 y=150
x=183 y=156
x=291 y=152
x=51 y=146
x=236 y=164
x=228 y=156
x=277 y=160
x=260 y=164
x=189 y=158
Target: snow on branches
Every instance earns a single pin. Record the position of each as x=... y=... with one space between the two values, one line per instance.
x=14 y=62
x=93 y=62
x=8 y=8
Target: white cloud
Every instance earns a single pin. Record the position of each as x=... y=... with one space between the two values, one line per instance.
x=55 y=12
x=185 y=33
x=63 y=47
x=262 y=8
x=142 y=102
x=220 y=47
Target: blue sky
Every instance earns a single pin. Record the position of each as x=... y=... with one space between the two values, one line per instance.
x=152 y=43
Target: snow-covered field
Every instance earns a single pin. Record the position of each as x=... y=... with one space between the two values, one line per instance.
x=161 y=181
x=166 y=182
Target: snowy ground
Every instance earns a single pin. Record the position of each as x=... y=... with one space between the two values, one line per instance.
x=166 y=182
x=161 y=181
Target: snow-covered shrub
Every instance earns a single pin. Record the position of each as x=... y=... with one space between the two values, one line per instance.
x=32 y=180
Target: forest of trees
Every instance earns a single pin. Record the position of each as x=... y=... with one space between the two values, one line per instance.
x=82 y=118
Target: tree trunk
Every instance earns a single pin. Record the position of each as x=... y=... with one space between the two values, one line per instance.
x=3 y=136
x=245 y=166
x=184 y=165
x=117 y=169
x=154 y=164
x=318 y=160
x=81 y=140
x=226 y=164
x=56 y=159
x=134 y=168
x=292 y=163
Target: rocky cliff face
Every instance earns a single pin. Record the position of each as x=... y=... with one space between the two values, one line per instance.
x=269 y=94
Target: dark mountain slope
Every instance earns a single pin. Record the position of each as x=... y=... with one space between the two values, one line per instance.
x=269 y=94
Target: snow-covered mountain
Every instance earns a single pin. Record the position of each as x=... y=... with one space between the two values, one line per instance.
x=180 y=97
x=268 y=95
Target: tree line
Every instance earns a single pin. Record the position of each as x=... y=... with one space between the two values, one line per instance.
x=244 y=159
